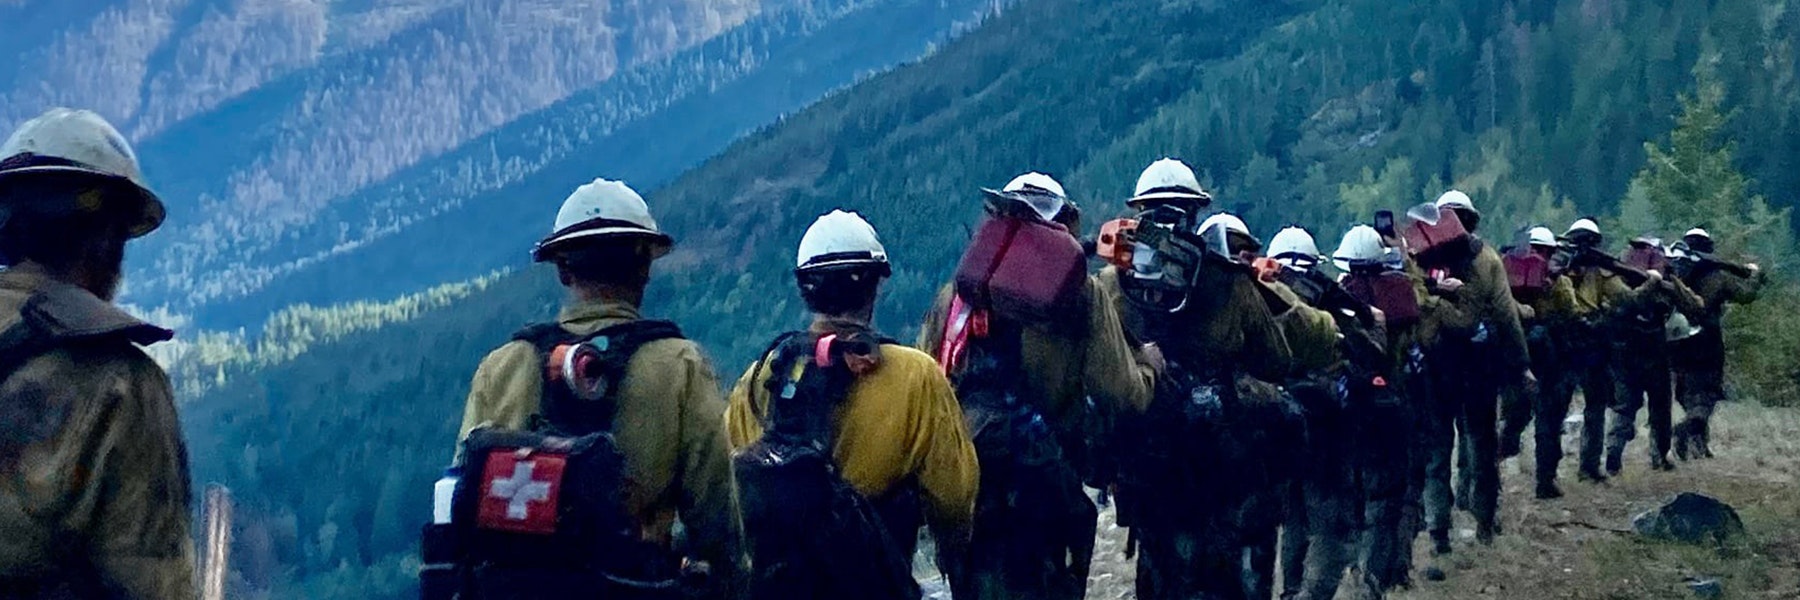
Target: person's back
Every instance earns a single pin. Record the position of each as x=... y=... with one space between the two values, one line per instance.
x=665 y=417
x=1033 y=385
x=98 y=500
x=884 y=413
x=899 y=426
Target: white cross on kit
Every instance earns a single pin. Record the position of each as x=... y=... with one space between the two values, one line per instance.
x=519 y=490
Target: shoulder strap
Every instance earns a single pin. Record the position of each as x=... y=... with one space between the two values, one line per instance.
x=560 y=409
x=800 y=405
x=545 y=336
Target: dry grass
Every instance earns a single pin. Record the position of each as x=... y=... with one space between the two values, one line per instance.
x=1562 y=550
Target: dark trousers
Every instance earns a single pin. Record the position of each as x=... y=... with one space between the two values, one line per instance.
x=1643 y=382
x=1699 y=391
x=1518 y=406
x=1319 y=535
x=1551 y=405
x=1415 y=444
x=1468 y=411
x=1597 y=384
x=1175 y=564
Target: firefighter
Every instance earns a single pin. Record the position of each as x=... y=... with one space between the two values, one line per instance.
x=667 y=419
x=99 y=496
x=1204 y=309
x=1641 y=351
x=1700 y=377
x=1600 y=291
x=1475 y=364
x=898 y=435
x=1051 y=370
x=1414 y=309
x=1353 y=483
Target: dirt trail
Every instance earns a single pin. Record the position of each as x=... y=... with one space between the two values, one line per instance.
x=1563 y=549
x=1566 y=549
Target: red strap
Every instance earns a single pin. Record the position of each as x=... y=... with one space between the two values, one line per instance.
x=957 y=328
x=822 y=350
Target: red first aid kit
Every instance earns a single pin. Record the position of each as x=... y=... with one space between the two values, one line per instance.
x=1527 y=272
x=1424 y=235
x=520 y=490
x=1392 y=293
x=1024 y=269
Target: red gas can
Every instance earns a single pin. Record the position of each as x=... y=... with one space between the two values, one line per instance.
x=1391 y=292
x=1024 y=269
x=1528 y=273
x=1433 y=231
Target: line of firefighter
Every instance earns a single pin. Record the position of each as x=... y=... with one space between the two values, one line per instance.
x=1237 y=408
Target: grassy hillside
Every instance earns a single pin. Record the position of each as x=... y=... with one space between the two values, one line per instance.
x=1311 y=111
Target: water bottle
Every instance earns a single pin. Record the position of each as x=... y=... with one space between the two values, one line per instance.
x=439 y=549
x=441 y=495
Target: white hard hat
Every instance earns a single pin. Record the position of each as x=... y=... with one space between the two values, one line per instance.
x=1168 y=180
x=1541 y=236
x=1455 y=199
x=1697 y=232
x=1293 y=245
x=1678 y=328
x=840 y=239
x=69 y=142
x=1583 y=225
x=601 y=209
x=1230 y=222
x=1361 y=243
x=1040 y=191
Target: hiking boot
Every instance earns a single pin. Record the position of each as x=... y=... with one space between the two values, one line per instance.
x=1547 y=490
x=1440 y=545
x=1590 y=476
x=1661 y=462
x=1615 y=459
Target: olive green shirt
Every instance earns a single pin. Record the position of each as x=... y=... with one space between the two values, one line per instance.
x=1235 y=331
x=669 y=426
x=94 y=483
x=1312 y=334
x=1064 y=368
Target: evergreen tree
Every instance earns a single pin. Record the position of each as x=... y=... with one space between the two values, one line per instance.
x=1693 y=181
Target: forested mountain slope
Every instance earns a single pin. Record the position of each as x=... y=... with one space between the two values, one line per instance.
x=1309 y=111
x=645 y=125
x=262 y=121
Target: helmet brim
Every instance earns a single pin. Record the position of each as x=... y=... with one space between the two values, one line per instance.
x=150 y=208
x=547 y=250
x=1157 y=197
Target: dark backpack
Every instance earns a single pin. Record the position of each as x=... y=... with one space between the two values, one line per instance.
x=541 y=513
x=1208 y=454
x=813 y=536
x=1031 y=513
